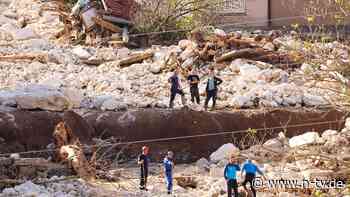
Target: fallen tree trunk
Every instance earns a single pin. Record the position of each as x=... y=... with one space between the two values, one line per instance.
x=260 y=54
x=241 y=44
x=243 y=53
x=135 y=59
x=43 y=58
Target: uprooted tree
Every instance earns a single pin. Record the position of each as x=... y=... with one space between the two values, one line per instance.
x=164 y=15
x=71 y=151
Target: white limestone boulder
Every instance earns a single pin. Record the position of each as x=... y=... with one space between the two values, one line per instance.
x=81 y=52
x=305 y=139
x=314 y=100
x=224 y=152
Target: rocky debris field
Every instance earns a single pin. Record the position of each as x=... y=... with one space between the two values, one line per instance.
x=305 y=157
x=39 y=72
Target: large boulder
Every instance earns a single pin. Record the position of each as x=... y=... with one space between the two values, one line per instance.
x=329 y=133
x=203 y=163
x=81 y=53
x=305 y=139
x=314 y=100
x=52 y=101
x=224 y=152
x=155 y=68
x=274 y=145
x=74 y=96
x=113 y=105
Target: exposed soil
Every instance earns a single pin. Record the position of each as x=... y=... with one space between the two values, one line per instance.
x=31 y=130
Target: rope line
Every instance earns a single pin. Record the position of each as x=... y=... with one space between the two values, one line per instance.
x=233 y=24
x=180 y=137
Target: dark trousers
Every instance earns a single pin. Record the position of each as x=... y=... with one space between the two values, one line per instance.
x=232 y=184
x=143 y=179
x=249 y=178
x=195 y=94
x=173 y=94
x=211 y=94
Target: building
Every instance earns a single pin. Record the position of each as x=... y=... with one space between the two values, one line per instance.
x=266 y=13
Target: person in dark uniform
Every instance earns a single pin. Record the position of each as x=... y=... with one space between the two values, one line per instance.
x=143 y=161
x=250 y=170
x=212 y=88
x=176 y=89
x=193 y=79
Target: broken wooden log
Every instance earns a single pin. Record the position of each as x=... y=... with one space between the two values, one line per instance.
x=40 y=57
x=243 y=53
x=136 y=58
x=260 y=54
x=241 y=44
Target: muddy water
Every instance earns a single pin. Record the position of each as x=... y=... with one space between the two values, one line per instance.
x=30 y=130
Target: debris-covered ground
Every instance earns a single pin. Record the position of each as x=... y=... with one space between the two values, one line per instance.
x=305 y=157
x=258 y=69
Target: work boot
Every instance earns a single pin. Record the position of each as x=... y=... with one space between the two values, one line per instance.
x=171 y=105
x=183 y=100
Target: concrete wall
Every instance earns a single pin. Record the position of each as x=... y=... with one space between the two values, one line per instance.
x=257 y=10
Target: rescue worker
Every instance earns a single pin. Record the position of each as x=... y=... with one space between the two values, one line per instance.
x=168 y=169
x=193 y=80
x=250 y=170
x=176 y=89
x=212 y=88
x=143 y=161
x=230 y=175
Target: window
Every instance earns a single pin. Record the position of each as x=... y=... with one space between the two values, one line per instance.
x=232 y=6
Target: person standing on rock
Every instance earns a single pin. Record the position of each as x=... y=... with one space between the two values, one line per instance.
x=212 y=88
x=193 y=79
x=176 y=89
x=250 y=170
x=143 y=161
x=230 y=174
x=168 y=169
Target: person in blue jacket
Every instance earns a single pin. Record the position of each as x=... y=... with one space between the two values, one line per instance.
x=250 y=170
x=168 y=168
x=230 y=174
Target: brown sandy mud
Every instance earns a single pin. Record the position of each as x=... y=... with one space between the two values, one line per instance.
x=32 y=130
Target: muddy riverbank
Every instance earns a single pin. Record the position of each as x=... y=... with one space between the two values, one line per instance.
x=32 y=130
